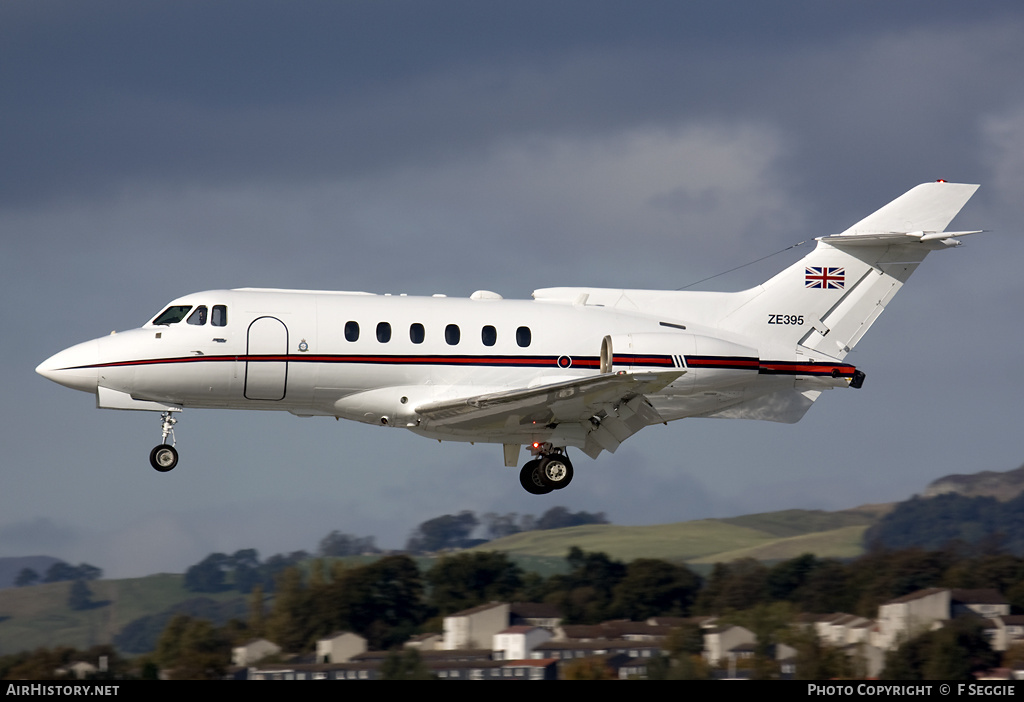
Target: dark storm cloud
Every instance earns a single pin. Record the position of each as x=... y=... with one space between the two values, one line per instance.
x=101 y=95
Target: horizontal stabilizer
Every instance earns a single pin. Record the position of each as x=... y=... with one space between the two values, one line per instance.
x=945 y=238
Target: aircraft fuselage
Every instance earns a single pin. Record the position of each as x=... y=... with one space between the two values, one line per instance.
x=376 y=358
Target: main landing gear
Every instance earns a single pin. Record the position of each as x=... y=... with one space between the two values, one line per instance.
x=551 y=471
x=164 y=457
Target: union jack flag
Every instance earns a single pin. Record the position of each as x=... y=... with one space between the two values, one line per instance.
x=824 y=278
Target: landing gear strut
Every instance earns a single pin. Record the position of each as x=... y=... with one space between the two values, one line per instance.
x=164 y=457
x=551 y=471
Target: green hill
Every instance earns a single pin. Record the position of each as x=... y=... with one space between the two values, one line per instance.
x=768 y=536
x=39 y=615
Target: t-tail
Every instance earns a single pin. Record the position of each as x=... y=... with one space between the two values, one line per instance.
x=824 y=303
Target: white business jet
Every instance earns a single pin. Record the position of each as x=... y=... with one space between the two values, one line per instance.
x=579 y=367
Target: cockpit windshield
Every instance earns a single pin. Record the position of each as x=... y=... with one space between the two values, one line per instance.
x=172 y=315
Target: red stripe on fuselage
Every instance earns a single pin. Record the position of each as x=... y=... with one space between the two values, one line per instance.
x=695 y=362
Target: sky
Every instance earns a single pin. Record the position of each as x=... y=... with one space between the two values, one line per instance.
x=149 y=150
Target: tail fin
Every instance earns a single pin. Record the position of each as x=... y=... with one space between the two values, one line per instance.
x=828 y=300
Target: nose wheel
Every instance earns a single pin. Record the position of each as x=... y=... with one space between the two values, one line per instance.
x=164 y=457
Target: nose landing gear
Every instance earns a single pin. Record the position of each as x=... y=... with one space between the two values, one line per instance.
x=552 y=471
x=164 y=457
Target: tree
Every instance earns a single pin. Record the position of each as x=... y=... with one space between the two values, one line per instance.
x=954 y=652
x=192 y=649
x=734 y=586
x=277 y=564
x=89 y=572
x=257 y=615
x=26 y=577
x=247 y=572
x=654 y=587
x=786 y=577
x=392 y=607
x=679 y=667
x=769 y=622
x=80 y=596
x=561 y=517
x=686 y=639
x=406 y=664
x=447 y=531
x=591 y=668
x=61 y=571
x=816 y=660
x=585 y=594
x=959 y=650
x=338 y=545
x=208 y=574
x=501 y=525
x=289 y=624
x=469 y=579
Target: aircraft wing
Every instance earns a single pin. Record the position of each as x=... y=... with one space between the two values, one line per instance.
x=608 y=408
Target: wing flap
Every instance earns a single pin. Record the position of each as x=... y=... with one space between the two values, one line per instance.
x=610 y=407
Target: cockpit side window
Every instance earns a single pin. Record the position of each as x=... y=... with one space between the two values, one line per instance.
x=219 y=318
x=172 y=315
x=198 y=318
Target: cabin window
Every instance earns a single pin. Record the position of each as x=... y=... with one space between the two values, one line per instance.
x=416 y=333
x=219 y=318
x=489 y=335
x=172 y=315
x=351 y=331
x=198 y=318
x=523 y=336
x=383 y=332
x=452 y=334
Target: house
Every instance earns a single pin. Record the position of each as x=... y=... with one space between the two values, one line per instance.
x=842 y=629
x=517 y=642
x=905 y=617
x=1006 y=630
x=475 y=627
x=426 y=642
x=539 y=614
x=253 y=651
x=570 y=650
x=339 y=647
x=720 y=642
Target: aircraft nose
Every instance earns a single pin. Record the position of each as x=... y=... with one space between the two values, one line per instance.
x=73 y=367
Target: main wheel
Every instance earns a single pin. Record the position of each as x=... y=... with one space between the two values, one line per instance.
x=529 y=478
x=164 y=457
x=555 y=471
